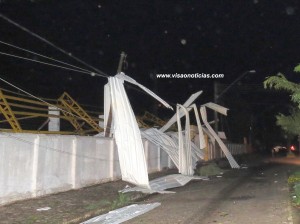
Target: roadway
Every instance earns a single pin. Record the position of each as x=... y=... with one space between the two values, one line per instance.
x=258 y=195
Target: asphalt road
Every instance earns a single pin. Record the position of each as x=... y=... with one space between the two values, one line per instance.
x=255 y=195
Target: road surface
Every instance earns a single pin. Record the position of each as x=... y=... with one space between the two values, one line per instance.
x=257 y=195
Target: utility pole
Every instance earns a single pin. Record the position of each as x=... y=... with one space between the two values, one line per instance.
x=155 y=89
x=121 y=61
x=109 y=118
x=218 y=95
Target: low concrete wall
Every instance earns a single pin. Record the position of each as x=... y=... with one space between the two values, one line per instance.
x=33 y=165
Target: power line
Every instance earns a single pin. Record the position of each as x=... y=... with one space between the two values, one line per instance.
x=50 y=64
x=23 y=49
x=99 y=73
x=102 y=74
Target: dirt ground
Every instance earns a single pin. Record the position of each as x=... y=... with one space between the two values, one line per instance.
x=72 y=206
x=257 y=195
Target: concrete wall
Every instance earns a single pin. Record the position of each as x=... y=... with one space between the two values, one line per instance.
x=33 y=165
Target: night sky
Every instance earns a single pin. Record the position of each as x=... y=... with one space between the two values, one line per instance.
x=206 y=36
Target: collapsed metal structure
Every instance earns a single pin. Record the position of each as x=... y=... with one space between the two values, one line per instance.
x=120 y=123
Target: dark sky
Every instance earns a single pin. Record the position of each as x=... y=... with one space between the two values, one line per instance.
x=205 y=36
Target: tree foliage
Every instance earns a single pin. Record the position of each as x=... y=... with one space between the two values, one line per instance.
x=289 y=123
x=279 y=82
x=297 y=68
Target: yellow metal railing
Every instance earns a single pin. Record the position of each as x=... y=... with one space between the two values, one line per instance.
x=8 y=113
x=18 y=112
x=72 y=107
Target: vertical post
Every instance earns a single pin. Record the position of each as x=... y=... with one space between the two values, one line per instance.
x=54 y=123
x=74 y=162
x=155 y=89
x=298 y=141
x=206 y=150
x=216 y=101
x=158 y=159
x=216 y=124
x=111 y=159
x=147 y=157
x=35 y=164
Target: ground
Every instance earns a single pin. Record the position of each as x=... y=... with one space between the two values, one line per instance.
x=258 y=194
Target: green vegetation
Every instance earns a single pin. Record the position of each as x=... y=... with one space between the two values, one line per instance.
x=279 y=82
x=289 y=123
x=296 y=199
x=97 y=205
x=294 y=178
x=121 y=201
x=208 y=169
x=294 y=183
x=31 y=219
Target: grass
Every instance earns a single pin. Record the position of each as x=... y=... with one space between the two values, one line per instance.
x=31 y=219
x=97 y=205
x=122 y=200
x=296 y=199
x=294 y=178
x=294 y=183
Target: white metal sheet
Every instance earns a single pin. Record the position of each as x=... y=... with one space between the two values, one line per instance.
x=164 y=141
x=126 y=131
x=132 y=81
x=216 y=107
x=228 y=155
x=128 y=136
x=122 y=214
x=185 y=154
x=189 y=101
x=202 y=143
x=161 y=184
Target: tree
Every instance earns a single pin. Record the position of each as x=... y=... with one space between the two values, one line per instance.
x=289 y=123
